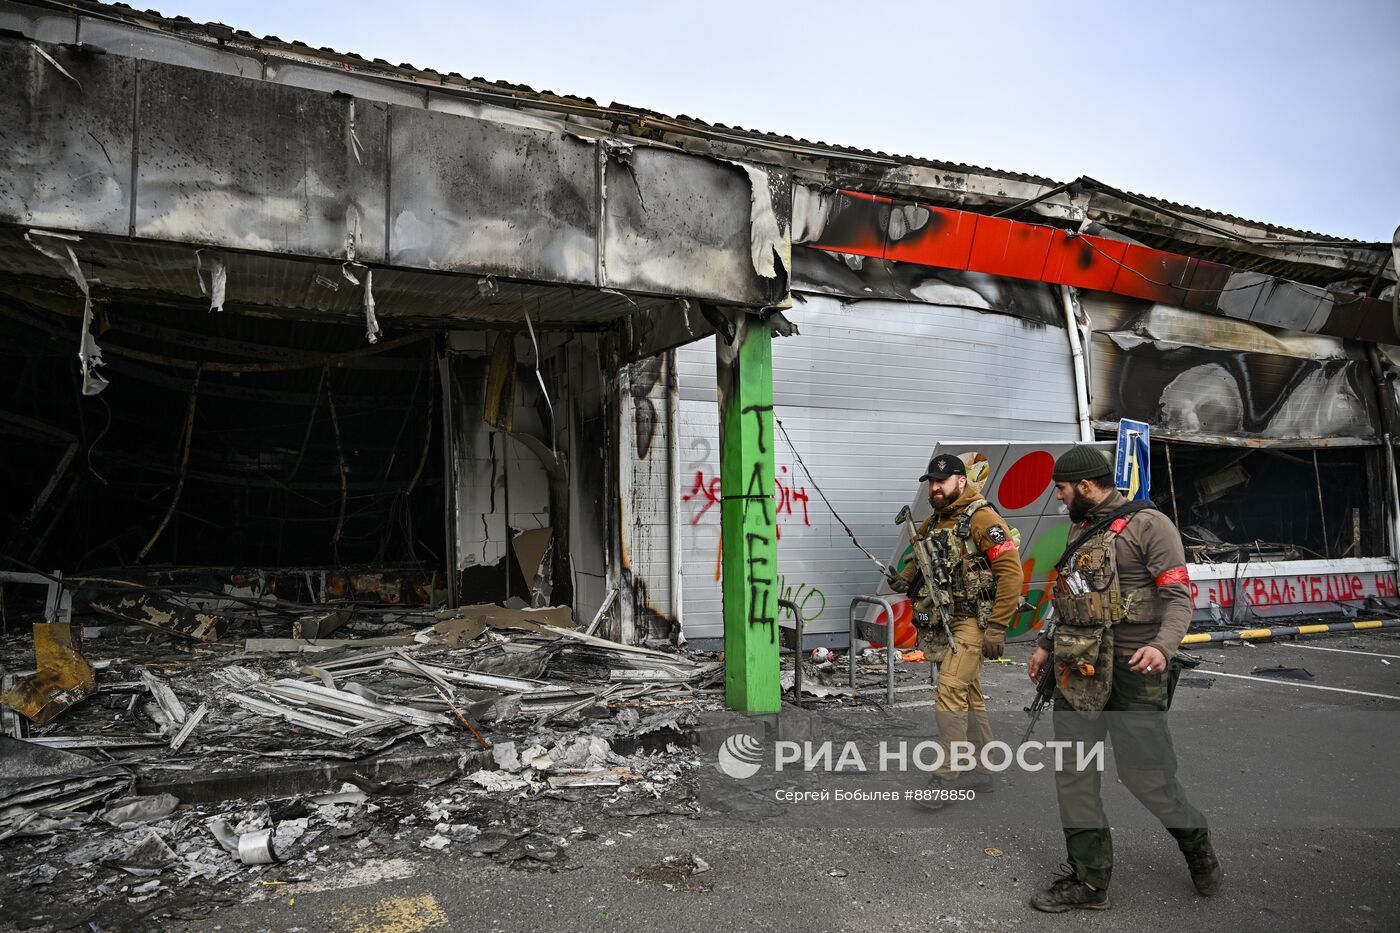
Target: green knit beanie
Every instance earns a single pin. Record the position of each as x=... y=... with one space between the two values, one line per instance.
x=1082 y=462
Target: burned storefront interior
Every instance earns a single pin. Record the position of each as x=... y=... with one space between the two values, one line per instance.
x=1250 y=504
x=249 y=458
x=283 y=455
x=407 y=371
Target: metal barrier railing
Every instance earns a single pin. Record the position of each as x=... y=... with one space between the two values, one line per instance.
x=873 y=631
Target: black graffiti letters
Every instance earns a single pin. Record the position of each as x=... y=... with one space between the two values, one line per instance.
x=755 y=492
x=760 y=578
x=758 y=412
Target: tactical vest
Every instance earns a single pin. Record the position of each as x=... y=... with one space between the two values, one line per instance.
x=1088 y=602
x=1100 y=600
x=973 y=588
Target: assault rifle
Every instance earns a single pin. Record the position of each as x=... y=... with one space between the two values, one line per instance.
x=932 y=575
x=1045 y=685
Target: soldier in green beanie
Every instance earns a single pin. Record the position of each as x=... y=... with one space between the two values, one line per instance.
x=1122 y=605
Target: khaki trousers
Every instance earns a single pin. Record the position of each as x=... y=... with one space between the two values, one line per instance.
x=959 y=707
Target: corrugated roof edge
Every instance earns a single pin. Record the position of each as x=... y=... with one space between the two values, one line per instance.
x=182 y=24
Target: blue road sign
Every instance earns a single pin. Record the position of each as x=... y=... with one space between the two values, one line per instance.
x=1132 y=466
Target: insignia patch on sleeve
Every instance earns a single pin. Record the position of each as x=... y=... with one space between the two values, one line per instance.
x=997 y=534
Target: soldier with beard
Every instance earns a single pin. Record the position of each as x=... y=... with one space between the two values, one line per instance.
x=1122 y=605
x=986 y=580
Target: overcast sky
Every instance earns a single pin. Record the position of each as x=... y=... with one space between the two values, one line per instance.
x=1281 y=111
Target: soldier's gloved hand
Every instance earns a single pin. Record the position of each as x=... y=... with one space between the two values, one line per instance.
x=993 y=641
x=899 y=585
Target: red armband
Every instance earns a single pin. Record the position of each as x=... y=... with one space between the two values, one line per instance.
x=997 y=550
x=1174 y=575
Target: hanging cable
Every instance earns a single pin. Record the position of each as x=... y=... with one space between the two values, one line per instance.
x=884 y=569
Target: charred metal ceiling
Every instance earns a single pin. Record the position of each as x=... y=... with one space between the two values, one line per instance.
x=1216 y=381
x=915 y=234
x=284 y=286
x=1201 y=233
x=150 y=164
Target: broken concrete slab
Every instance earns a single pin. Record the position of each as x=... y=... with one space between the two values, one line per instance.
x=581 y=751
x=498 y=780
x=506 y=757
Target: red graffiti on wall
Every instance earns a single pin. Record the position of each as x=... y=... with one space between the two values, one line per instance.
x=705 y=492
x=787 y=495
x=708 y=492
x=1280 y=591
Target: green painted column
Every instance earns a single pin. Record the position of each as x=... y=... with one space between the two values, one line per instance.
x=748 y=517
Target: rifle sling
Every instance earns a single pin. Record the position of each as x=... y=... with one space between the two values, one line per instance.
x=1137 y=505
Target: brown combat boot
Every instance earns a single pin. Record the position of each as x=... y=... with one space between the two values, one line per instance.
x=1206 y=873
x=1067 y=893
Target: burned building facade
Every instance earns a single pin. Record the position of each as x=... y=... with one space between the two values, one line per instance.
x=287 y=321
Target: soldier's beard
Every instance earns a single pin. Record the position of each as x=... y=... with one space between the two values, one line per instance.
x=939 y=501
x=1079 y=507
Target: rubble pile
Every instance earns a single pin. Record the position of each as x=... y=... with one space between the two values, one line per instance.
x=200 y=772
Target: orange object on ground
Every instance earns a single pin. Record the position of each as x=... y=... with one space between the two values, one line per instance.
x=914 y=657
x=905 y=635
